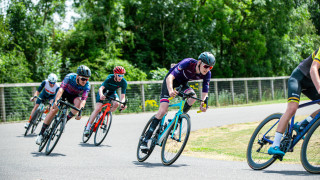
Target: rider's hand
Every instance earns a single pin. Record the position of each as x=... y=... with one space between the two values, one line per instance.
x=78 y=117
x=203 y=109
x=123 y=107
x=102 y=97
x=55 y=105
x=32 y=99
x=173 y=93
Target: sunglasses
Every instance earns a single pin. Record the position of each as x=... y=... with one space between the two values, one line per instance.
x=83 y=79
x=207 y=66
x=120 y=75
x=52 y=82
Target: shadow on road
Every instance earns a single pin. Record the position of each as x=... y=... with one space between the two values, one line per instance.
x=290 y=173
x=38 y=154
x=27 y=136
x=92 y=145
x=152 y=165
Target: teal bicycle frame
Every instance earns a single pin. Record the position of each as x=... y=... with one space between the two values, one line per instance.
x=174 y=122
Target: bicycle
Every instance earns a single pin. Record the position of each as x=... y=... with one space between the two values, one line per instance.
x=172 y=135
x=52 y=134
x=36 y=117
x=262 y=138
x=101 y=125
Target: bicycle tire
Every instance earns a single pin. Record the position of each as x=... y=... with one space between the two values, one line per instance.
x=103 y=128
x=55 y=135
x=264 y=155
x=86 y=139
x=31 y=122
x=36 y=122
x=311 y=164
x=169 y=142
x=46 y=136
x=142 y=156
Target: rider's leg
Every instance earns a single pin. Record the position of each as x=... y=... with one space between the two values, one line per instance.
x=190 y=101
x=73 y=112
x=53 y=111
x=115 y=105
x=94 y=114
x=33 y=110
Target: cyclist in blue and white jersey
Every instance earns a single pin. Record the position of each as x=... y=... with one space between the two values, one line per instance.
x=72 y=86
x=186 y=70
x=49 y=87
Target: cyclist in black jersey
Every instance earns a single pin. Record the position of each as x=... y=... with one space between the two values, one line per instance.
x=305 y=78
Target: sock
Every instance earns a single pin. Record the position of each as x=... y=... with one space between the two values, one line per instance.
x=277 y=139
x=29 y=119
x=44 y=127
x=186 y=108
x=152 y=127
x=88 y=126
x=69 y=116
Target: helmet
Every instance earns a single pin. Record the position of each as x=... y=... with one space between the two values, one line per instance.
x=83 y=71
x=207 y=58
x=119 y=70
x=52 y=78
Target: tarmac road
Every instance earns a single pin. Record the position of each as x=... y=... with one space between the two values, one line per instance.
x=116 y=158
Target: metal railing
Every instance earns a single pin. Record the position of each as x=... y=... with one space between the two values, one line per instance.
x=144 y=95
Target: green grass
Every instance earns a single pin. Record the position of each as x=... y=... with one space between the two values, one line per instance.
x=229 y=142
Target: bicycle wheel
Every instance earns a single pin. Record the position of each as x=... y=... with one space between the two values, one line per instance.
x=103 y=129
x=310 y=151
x=174 y=142
x=143 y=155
x=33 y=119
x=257 y=151
x=55 y=135
x=36 y=122
x=46 y=136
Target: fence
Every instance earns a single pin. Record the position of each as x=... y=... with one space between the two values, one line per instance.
x=144 y=95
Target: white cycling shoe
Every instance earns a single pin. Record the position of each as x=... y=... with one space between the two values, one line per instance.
x=39 y=139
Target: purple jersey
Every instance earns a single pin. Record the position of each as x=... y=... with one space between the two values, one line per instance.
x=185 y=70
x=70 y=85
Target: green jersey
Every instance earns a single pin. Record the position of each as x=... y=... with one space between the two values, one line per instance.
x=111 y=85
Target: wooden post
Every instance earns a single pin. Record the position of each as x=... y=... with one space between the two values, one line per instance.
x=284 y=88
x=272 y=88
x=93 y=97
x=3 y=105
x=216 y=92
x=260 y=92
x=246 y=91
x=232 y=91
x=142 y=98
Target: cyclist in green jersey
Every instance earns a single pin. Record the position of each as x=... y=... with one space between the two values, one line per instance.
x=111 y=84
x=305 y=78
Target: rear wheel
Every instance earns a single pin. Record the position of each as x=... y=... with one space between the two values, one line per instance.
x=103 y=129
x=55 y=135
x=310 y=151
x=175 y=141
x=36 y=122
x=143 y=154
x=257 y=151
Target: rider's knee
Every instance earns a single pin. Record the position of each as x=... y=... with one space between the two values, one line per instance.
x=115 y=104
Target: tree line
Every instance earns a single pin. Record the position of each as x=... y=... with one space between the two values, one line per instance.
x=249 y=38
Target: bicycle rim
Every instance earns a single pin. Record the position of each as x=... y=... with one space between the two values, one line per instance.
x=257 y=151
x=103 y=129
x=31 y=122
x=44 y=141
x=310 y=151
x=36 y=122
x=86 y=139
x=173 y=145
x=143 y=155
x=55 y=136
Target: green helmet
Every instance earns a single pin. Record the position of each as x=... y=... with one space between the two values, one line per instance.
x=207 y=58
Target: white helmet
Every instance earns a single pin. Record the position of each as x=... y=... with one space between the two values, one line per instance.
x=52 y=78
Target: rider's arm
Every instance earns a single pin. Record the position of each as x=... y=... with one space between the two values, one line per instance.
x=315 y=74
x=169 y=82
x=101 y=91
x=36 y=93
x=58 y=95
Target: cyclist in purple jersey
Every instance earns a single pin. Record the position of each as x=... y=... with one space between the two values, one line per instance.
x=71 y=88
x=186 y=70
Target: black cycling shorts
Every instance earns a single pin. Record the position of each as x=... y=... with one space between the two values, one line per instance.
x=298 y=83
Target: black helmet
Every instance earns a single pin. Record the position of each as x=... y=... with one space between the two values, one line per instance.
x=207 y=58
x=83 y=71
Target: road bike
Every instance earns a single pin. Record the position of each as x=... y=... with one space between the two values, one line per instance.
x=102 y=122
x=262 y=138
x=52 y=134
x=171 y=135
x=36 y=117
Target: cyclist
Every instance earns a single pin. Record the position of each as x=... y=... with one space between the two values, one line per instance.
x=180 y=74
x=304 y=78
x=71 y=87
x=50 y=88
x=111 y=84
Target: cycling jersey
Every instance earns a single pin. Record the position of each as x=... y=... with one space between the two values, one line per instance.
x=47 y=88
x=69 y=84
x=185 y=70
x=305 y=65
x=111 y=85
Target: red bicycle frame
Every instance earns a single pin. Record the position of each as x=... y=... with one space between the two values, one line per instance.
x=103 y=116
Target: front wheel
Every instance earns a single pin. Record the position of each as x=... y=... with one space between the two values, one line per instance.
x=175 y=140
x=32 y=122
x=55 y=135
x=103 y=129
x=310 y=157
x=261 y=140
x=36 y=122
